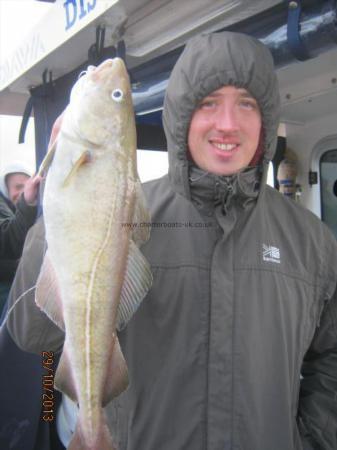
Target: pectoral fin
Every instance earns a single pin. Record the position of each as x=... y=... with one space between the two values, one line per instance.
x=84 y=158
x=47 y=293
x=47 y=160
x=137 y=282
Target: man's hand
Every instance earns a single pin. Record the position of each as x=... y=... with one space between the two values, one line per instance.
x=31 y=190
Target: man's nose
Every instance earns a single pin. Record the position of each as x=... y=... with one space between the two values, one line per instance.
x=16 y=195
x=226 y=119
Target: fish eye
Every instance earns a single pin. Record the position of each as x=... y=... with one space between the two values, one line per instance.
x=117 y=95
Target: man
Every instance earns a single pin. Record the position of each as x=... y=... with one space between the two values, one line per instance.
x=15 y=183
x=244 y=296
x=18 y=193
x=18 y=199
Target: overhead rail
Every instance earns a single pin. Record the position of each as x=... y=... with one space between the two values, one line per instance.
x=292 y=32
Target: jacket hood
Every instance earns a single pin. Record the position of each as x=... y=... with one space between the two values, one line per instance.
x=13 y=167
x=209 y=62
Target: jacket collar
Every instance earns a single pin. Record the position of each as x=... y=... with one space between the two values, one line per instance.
x=207 y=191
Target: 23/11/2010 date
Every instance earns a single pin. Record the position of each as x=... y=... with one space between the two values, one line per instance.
x=48 y=386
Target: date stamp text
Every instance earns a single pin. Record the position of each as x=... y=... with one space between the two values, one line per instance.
x=48 y=386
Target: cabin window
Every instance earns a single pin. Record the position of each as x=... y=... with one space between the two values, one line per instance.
x=328 y=173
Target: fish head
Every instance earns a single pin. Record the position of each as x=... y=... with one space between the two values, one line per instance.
x=100 y=108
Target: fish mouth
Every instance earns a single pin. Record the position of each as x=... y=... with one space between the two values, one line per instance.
x=111 y=72
x=116 y=63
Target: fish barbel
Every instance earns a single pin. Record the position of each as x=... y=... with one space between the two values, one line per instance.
x=94 y=276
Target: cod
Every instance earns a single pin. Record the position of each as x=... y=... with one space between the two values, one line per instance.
x=94 y=276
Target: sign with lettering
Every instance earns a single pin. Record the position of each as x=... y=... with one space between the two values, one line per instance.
x=77 y=9
x=62 y=22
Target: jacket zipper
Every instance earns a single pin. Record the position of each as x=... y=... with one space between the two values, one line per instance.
x=227 y=197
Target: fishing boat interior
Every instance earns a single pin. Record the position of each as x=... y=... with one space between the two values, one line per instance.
x=35 y=81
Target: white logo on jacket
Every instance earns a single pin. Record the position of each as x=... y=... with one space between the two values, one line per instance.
x=271 y=254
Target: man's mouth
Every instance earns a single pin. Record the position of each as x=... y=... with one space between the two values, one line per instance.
x=225 y=147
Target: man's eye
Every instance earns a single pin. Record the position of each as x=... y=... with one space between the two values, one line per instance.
x=248 y=104
x=207 y=104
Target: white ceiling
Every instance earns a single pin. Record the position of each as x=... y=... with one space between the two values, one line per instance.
x=309 y=89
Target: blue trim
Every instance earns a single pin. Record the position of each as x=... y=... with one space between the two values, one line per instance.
x=154 y=118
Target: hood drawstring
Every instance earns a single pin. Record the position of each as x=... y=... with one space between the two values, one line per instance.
x=194 y=180
x=224 y=193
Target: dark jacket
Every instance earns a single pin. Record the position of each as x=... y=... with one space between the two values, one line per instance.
x=21 y=423
x=244 y=296
x=14 y=225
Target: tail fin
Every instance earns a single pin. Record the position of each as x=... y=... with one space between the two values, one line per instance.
x=101 y=441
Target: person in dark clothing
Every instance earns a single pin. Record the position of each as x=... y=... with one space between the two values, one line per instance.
x=18 y=194
x=235 y=345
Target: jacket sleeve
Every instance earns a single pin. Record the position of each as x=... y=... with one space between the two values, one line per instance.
x=317 y=413
x=14 y=227
x=28 y=326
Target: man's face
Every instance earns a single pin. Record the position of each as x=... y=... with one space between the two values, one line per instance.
x=15 y=184
x=224 y=131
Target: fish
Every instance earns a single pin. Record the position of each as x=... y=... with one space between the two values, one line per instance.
x=94 y=276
